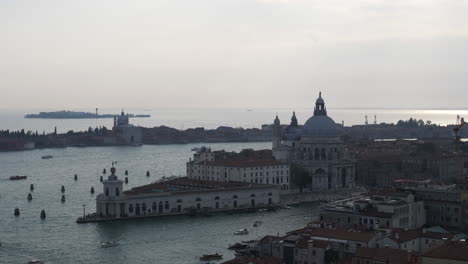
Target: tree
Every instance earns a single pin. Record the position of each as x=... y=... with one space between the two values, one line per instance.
x=299 y=176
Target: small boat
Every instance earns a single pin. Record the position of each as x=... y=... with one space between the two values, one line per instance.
x=36 y=261
x=285 y=207
x=15 y=178
x=237 y=246
x=257 y=223
x=47 y=157
x=109 y=244
x=243 y=231
x=262 y=210
x=211 y=257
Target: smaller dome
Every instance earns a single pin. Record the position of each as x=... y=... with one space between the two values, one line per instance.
x=320 y=101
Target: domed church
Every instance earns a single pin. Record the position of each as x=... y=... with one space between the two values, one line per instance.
x=316 y=146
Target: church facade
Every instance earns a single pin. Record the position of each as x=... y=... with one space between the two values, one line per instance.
x=126 y=133
x=318 y=148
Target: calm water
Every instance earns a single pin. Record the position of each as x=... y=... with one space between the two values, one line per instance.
x=58 y=239
x=212 y=118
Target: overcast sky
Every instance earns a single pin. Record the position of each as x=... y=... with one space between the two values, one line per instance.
x=239 y=53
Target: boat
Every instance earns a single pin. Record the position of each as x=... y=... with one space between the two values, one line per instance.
x=15 y=178
x=285 y=207
x=211 y=257
x=36 y=261
x=243 y=231
x=237 y=246
x=109 y=244
x=262 y=210
x=257 y=223
x=47 y=157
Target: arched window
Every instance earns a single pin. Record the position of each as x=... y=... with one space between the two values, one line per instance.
x=234 y=197
x=117 y=191
x=252 y=195
x=143 y=207
x=166 y=205
x=154 y=206
x=130 y=208
x=316 y=154
x=319 y=171
x=217 y=198
x=107 y=191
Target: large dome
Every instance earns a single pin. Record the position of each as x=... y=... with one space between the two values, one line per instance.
x=321 y=126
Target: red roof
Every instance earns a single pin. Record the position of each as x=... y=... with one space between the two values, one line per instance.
x=455 y=250
x=245 y=163
x=385 y=255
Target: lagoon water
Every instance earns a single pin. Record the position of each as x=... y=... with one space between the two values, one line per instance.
x=58 y=239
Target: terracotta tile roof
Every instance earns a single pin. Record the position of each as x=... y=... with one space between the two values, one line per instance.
x=408 y=235
x=245 y=163
x=254 y=260
x=184 y=184
x=454 y=250
x=384 y=255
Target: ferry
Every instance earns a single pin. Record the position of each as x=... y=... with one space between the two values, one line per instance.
x=211 y=257
x=15 y=178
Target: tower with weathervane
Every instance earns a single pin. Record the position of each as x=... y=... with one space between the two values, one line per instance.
x=108 y=202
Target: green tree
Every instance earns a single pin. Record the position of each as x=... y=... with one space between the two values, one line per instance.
x=299 y=176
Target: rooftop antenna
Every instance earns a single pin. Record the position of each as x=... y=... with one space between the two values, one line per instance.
x=375 y=119
x=96 y=111
x=366 y=121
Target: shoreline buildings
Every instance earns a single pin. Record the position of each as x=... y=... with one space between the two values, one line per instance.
x=317 y=147
x=179 y=196
x=248 y=166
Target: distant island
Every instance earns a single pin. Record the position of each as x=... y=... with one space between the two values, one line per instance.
x=74 y=115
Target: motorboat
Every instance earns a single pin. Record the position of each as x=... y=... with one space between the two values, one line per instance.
x=243 y=231
x=285 y=207
x=47 y=157
x=211 y=257
x=109 y=244
x=257 y=223
x=36 y=261
x=15 y=178
x=237 y=246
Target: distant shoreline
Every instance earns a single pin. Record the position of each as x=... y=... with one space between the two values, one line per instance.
x=76 y=115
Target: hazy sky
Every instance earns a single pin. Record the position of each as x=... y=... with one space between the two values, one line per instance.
x=239 y=53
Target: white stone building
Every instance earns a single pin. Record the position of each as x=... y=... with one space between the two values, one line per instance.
x=316 y=146
x=220 y=166
x=180 y=196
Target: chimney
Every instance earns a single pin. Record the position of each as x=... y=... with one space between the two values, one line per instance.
x=397 y=235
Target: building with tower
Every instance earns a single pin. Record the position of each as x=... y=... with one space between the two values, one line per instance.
x=317 y=147
x=126 y=133
x=178 y=196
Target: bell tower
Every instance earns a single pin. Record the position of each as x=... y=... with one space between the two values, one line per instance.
x=276 y=133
